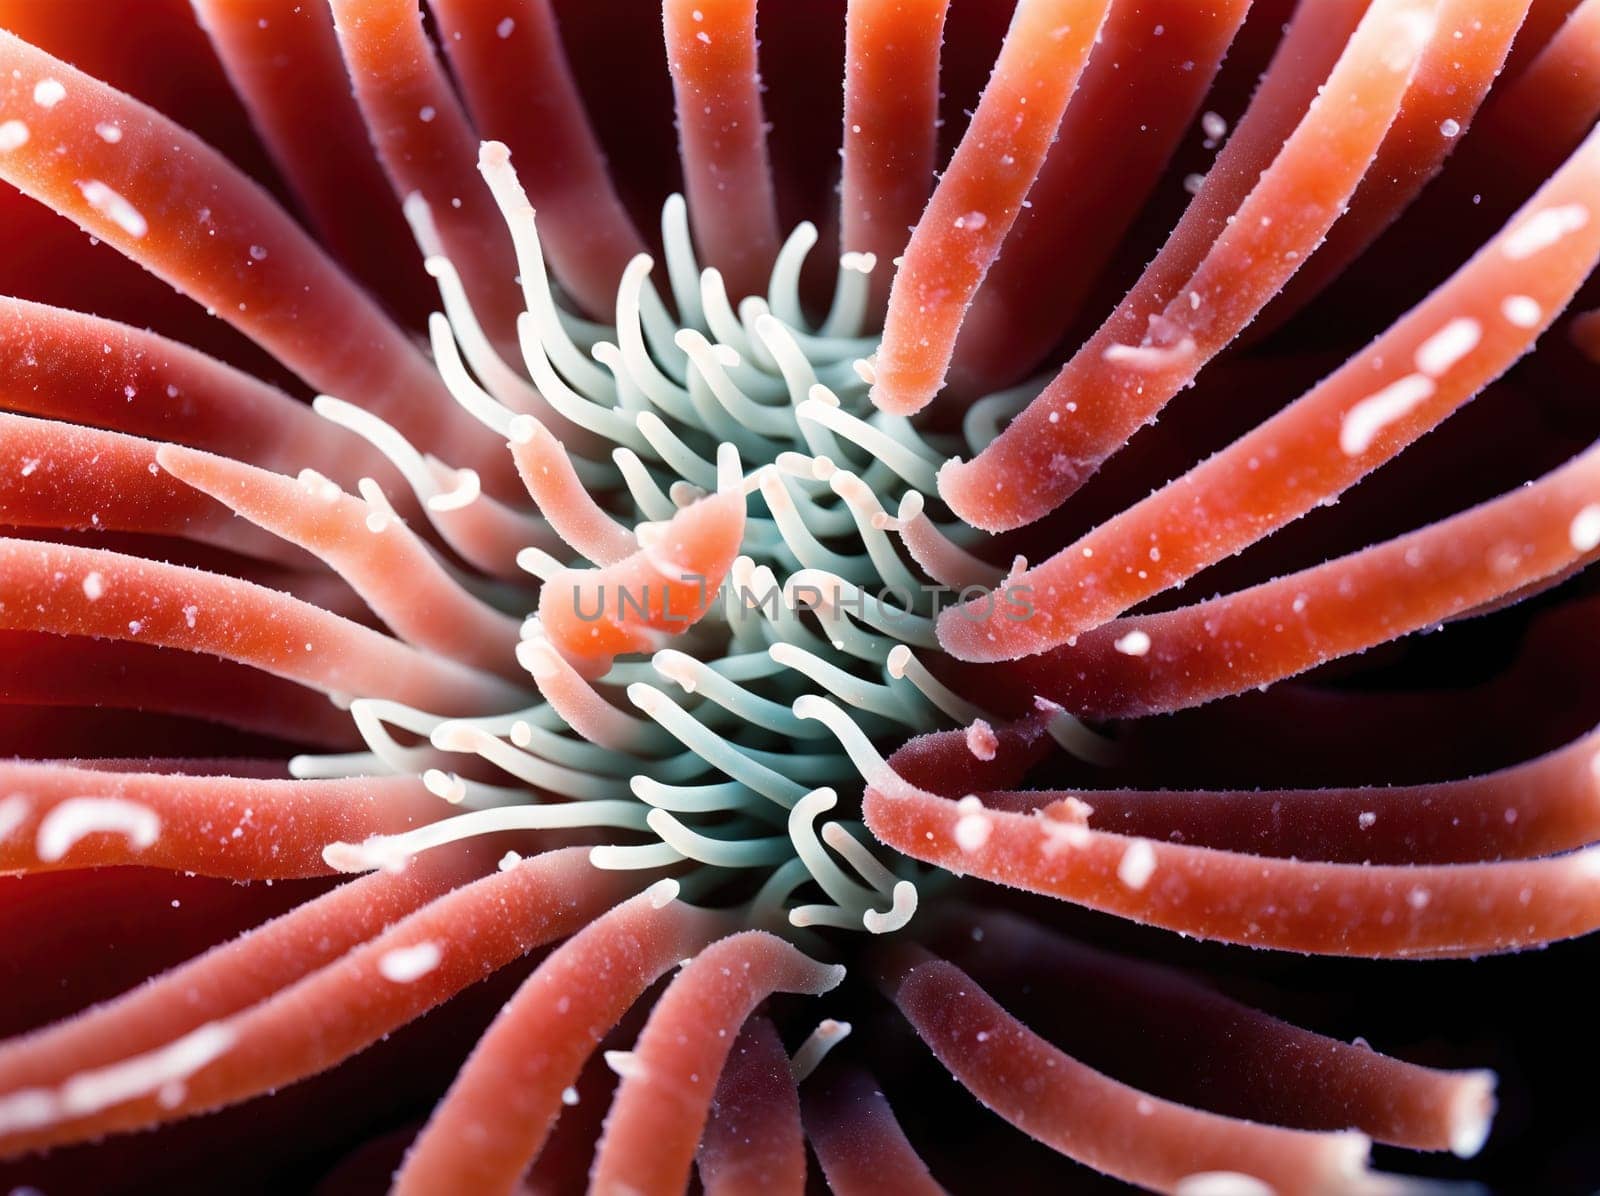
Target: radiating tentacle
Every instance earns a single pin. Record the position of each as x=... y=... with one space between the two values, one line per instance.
x=427 y=146
x=65 y=365
x=514 y=73
x=282 y=58
x=215 y=235
x=55 y=475
x=1205 y=286
x=858 y=1141
x=1452 y=81
x=752 y=1140
x=84 y=591
x=979 y=195
x=1235 y=1060
x=711 y=51
x=507 y=1097
x=547 y=471
x=669 y=1077
x=1369 y=910
x=57 y=816
x=1088 y=1116
x=412 y=966
x=1541 y=807
x=1410 y=379
x=891 y=106
x=1137 y=96
x=1143 y=664
x=403 y=582
x=43 y=670
x=225 y=981
x=1544 y=111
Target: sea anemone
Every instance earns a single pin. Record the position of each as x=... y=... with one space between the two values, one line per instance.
x=736 y=625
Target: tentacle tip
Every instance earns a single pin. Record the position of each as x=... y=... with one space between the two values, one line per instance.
x=346 y=857
x=832 y=975
x=663 y=893
x=523 y=429
x=1472 y=1115
x=899 y=913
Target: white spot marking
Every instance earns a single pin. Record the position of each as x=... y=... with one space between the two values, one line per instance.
x=406 y=964
x=1135 y=643
x=114 y=207
x=1437 y=355
x=47 y=93
x=1543 y=229
x=973 y=827
x=1138 y=864
x=78 y=817
x=1523 y=311
x=1585 y=529
x=1371 y=415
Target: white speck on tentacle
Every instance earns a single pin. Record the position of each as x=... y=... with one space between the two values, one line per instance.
x=1585 y=530
x=981 y=740
x=1544 y=229
x=1523 y=311
x=162 y=1072
x=1363 y=422
x=1437 y=355
x=1222 y=1183
x=78 y=817
x=1151 y=357
x=973 y=826
x=114 y=207
x=1138 y=864
x=625 y=1064
x=1135 y=643
x=13 y=136
x=47 y=93
x=403 y=965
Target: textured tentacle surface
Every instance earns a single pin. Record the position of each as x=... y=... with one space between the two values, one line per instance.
x=979 y=195
x=521 y=1076
x=1199 y=294
x=752 y=1139
x=859 y=1141
x=1089 y=1116
x=382 y=984
x=689 y=548
x=670 y=1076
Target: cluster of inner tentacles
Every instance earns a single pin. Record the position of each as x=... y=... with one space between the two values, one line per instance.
x=686 y=599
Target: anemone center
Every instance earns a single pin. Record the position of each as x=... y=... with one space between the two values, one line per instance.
x=717 y=735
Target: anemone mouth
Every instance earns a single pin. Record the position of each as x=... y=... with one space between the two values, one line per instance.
x=793 y=542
